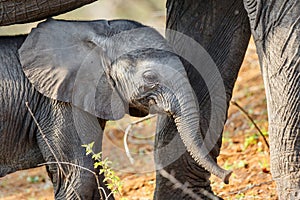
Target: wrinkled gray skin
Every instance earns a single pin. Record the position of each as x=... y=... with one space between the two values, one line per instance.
x=77 y=75
x=223 y=29
x=23 y=146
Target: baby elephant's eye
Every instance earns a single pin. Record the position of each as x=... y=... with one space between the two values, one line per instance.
x=150 y=76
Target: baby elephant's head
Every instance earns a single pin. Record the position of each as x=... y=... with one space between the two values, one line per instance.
x=109 y=68
x=150 y=81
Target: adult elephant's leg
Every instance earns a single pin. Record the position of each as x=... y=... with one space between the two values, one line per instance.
x=275 y=26
x=222 y=28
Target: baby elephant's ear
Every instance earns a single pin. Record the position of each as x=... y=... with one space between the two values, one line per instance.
x=62 y=61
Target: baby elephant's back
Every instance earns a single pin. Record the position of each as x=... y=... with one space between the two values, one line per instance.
x=12 y=80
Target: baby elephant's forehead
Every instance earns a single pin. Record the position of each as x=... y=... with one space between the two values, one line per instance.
x=150 y=62
x=141 y=56
x=157 y=56
x=158 y=62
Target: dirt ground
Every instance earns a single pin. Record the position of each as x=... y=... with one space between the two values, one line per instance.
x=243 y=151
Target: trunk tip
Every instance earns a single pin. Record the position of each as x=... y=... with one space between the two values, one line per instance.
x=226 y=176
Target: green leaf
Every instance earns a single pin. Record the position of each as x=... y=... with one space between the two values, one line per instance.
x=88 y=148
x=113 y=182
x=97 y=156
x=33 y=179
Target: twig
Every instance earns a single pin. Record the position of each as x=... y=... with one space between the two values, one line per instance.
x=249 y=187
x=50 y=148
x=252 y=121
x=68 y=163
x=106 y=196
x=132 y=140
x=127 y=131
x=184 y=187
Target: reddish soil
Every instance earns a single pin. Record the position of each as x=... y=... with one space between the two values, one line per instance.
x=243 y=151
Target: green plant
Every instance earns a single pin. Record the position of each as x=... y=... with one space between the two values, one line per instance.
x=241 y=164
x=265 y=132
x=240 y=196
x=264 y=164
x=112 y=181
x=33 y=179
x=253 y=139
x=227 y=165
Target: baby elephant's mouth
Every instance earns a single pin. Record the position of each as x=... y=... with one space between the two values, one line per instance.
x=143 y=101
x=144 y=94
x=156 y=99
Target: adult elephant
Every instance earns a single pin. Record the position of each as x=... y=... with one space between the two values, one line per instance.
x=223 y=29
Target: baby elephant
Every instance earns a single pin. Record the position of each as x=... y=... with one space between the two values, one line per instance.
x=76 y=75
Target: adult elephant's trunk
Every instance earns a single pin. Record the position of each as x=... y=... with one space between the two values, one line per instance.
x=185 y=111
x=14 y=12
